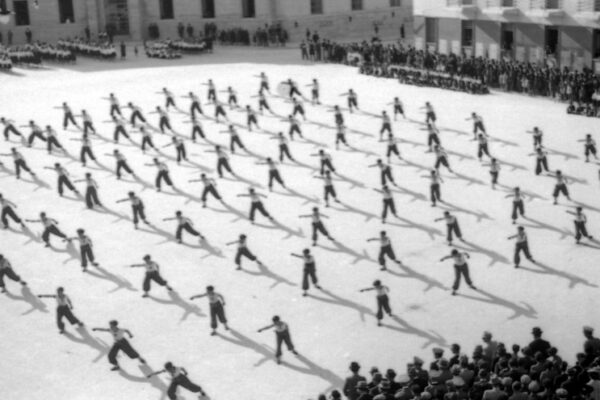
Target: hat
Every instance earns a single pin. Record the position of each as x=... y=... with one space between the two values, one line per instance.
x=434 y=377
x=534 y=386
x=507 y=381
x=402 y=379
x=374 y=369
x=336 y=395
x=443 y=363
x=379 y=397
x=487 y=335
x=525 y=379
x=417 y=361
x=354 y=366
x=536 y=331
x=457 y=381
x=438 y=352
x=588 y=329
x=560 y=392
x=425 y=396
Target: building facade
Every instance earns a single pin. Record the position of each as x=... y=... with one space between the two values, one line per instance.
x=352 y=19
x=560 y=32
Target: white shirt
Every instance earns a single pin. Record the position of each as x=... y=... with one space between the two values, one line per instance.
x=459 y=259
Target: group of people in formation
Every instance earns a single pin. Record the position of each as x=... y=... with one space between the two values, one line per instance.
x=138 y=123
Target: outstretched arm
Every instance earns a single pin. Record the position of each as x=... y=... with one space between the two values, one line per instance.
x=266 y=327
x=156 y=373
x=197 y=296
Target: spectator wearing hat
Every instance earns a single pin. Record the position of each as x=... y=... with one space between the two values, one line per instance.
x=374 y=384
x=456 y=380
x=350 y=386
x=496 y=392
x=594 y=383
x=383 y=391
x=481 y=385
x=421 y=376
x=455 y=359
x=438 y=353
x=518 y=394
x=591 y=346
x=526 y=360
x=539 y=366
x=390 y=375
x=467 y=372
x=539 y=344
x=363 y=391
x=489 y=349
x=336 y=395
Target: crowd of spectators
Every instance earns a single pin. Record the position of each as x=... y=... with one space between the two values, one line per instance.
x=5 y=61
x=582 y=88
x=493 y=372
x=103 y=50
x=268 y=35
x=161 y=50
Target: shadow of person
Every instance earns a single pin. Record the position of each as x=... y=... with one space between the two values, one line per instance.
x=176 y=300
x=263 y=270
x=211 y=250
x=278 y=225
x=340 y=301
x=25 y=231
x=522 y=309
x=431 y=337
x=480 y=215
x=348 y=208
x=415 y=195
x=547 y=270
x=564 y=233
x=341 y=248
x=119 y=281
x=431 y=232
x=295 y=193
x=239 y=339
x=411 y=273
x=70 y=250
x=87 y=339
x=494 y=256
x=28 y=297
x=155 y=382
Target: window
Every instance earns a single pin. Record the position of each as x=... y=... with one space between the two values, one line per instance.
x=395 y=3
x=316 y=6
x=66 y=11
x=552 y=4
x=356 y=5
x=596 y=5
x=21 y=10
x=166 y=9
x=467 y=33
x=117 y=14
x=208 y=8
x=508 y=3
x=466 y=3
x=248 y=9
x=431 y=30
